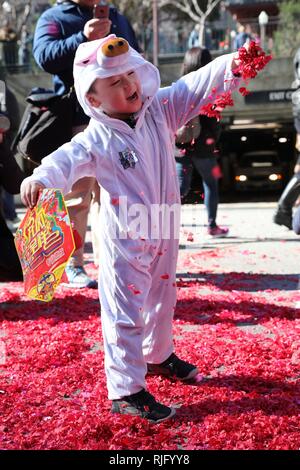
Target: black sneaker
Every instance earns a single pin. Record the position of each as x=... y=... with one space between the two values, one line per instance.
x=283 y=218
x=142 y=404
x=173 y=367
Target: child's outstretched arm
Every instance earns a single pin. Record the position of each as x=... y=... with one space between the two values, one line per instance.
x=60 y=170
x=183 y=99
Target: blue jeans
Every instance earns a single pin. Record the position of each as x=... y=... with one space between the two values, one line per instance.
x=184 y=169
x=204 y=166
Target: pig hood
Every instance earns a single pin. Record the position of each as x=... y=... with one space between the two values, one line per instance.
x=105 y=58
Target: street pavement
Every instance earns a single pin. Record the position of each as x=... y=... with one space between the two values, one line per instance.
x=257 y=256
x=254 y=244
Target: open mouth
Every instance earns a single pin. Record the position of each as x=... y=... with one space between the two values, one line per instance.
x=133 y=97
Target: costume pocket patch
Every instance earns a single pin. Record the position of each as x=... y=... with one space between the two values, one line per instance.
x=128 y=158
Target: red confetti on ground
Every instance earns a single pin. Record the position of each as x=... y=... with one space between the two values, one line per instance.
x=235 y=327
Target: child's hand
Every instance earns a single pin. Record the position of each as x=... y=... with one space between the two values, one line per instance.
x=30 y=192
x=236 y=61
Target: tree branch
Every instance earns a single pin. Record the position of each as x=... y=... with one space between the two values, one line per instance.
x=185 y=8
x=211 y=5
x=197 y=8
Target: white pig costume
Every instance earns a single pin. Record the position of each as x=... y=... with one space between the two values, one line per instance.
x=136 y=165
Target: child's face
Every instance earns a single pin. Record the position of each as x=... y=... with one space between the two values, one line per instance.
x=119 y=96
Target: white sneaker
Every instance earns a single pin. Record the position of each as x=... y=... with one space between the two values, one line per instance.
x=79 y=279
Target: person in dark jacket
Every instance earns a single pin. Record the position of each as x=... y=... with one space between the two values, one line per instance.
x=200 y=153
x=11 y=178
x=59 y=31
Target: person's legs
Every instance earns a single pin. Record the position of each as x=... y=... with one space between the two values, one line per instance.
x=10 y=267
x=283 y=214
x=205 y=167
x=124 y=283
x=160 y=304
x=95 y=220
x=184 y=169
x=78 y=202
x=158 y=347
x=208 y=169
x=296 y=221
x=9 y=209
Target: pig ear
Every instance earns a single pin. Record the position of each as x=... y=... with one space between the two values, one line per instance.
x=86 y=53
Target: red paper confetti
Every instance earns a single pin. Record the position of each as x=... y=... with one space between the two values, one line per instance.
x=133 y=289
x=240 y=329
x=220 y=102
x=216 y=172
x=251 y=61
x=243 y=91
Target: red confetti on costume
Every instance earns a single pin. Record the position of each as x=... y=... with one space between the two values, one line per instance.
x=165 y=276
x=133 y=289
x=220 y=102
